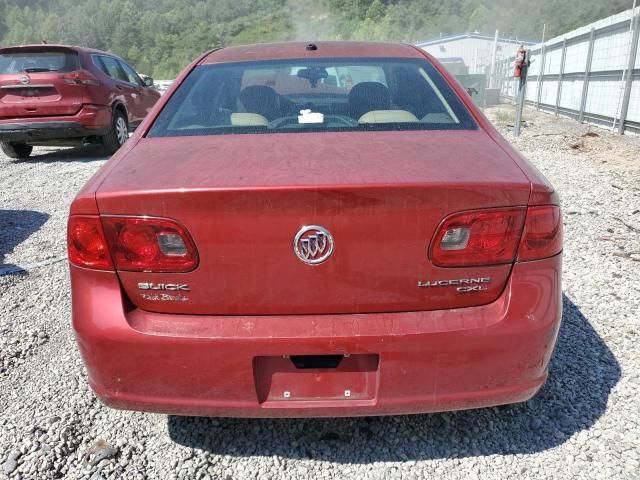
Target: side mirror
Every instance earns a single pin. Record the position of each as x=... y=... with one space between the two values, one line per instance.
x=148 y=81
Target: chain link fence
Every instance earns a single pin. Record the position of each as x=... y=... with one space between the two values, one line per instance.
x=591 y=74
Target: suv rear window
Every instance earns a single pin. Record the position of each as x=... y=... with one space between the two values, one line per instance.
x=329 y=94
x=33 y=62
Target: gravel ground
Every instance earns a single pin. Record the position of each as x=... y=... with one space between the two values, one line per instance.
x=583 y=424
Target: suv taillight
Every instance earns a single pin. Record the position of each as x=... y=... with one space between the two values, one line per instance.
x=134 y=243
x=80 y=77
x=86 y=243
x=493 y=237
x=143 y=244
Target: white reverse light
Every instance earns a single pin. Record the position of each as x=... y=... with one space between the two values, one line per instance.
x=172 y=244
x=455 y=239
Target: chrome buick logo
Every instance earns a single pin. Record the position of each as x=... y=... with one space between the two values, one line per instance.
x=313 y=244
x=24 y=80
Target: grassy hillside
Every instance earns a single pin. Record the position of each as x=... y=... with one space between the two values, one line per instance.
x=161 y=36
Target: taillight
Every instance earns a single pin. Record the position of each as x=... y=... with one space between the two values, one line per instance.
x=149 y=244
x=542 y=235
x=493 y=237
x=80 y=77
x=86 y=243
x=488 y=237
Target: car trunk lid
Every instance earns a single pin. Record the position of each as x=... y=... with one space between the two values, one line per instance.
x=381 y=196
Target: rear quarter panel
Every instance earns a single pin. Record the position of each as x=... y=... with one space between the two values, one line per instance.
x=103 y=94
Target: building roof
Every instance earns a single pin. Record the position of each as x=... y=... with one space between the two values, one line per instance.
x=474 y=35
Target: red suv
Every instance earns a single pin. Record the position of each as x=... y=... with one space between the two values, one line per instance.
x=62 y=95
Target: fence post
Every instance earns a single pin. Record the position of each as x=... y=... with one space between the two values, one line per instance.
x=587 y=73
x=562 y=62
x=494 y=54
x=633 y=51
x=541 y=76
x=500 y=77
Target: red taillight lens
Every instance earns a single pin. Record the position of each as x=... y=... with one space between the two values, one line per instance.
x=542 y=235
x=487 y=237
x=140 y=244
x=86 y=243
x=80 y=77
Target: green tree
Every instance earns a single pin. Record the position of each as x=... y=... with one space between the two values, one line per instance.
x=478 y=18
x=160 y=37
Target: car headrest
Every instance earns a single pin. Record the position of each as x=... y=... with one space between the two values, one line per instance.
x=262 y=100
x=367 y=96
x=388 y=116
x=248 y=120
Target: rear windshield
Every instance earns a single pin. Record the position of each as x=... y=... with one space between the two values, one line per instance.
x=32 y=62
x=326 y=94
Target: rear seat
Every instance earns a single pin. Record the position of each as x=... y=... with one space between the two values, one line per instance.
x=388 y=116
x=248 y=120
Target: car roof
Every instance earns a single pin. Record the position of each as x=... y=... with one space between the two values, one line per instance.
x=285 y=50
x=43 y=46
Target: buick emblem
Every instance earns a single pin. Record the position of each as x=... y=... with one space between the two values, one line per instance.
x=24 y=80
x=313 y=244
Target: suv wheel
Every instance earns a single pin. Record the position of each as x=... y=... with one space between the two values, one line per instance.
x=118 y=134
x=16 y=150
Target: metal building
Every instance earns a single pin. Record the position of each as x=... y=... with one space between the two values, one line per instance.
x=475 y=50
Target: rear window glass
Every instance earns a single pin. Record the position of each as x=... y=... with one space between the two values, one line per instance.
x=33 y=62
x=312 y=95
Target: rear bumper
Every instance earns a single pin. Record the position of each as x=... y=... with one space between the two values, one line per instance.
x=397 y=363
x=90 y=120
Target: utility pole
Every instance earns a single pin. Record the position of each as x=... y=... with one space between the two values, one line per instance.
x=523 y=66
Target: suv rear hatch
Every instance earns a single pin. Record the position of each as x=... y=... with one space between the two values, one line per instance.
x=243 y=198
x=32 y=82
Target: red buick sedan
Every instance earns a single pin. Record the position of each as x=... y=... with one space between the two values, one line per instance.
x=327 y=229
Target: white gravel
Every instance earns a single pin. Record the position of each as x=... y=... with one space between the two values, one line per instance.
x=584 y=423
